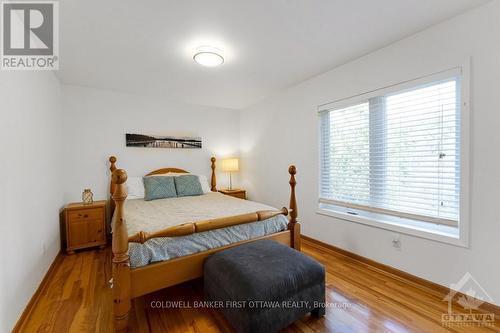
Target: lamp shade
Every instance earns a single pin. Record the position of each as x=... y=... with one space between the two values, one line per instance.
x=230 y=164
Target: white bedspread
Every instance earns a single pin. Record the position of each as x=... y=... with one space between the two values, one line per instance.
x=151 y=216
x=155 y=215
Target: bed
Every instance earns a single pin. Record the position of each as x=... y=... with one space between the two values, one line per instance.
x=161 y=243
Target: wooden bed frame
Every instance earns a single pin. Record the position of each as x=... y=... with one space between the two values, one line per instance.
x=128 y=283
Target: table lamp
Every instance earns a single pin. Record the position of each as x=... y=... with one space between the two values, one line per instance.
x=230 y=165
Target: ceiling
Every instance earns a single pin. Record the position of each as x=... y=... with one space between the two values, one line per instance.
x=146 y=47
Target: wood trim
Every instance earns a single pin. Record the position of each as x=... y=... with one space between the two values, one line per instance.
x=166 y=170
x=121 y=259
x=175 y=231
x=164 y=274
x=202 y=226
x=213 y=181
x=42 y=287
x=112 y=186
x=396 y=273
x=225 y=222
x=293 y=225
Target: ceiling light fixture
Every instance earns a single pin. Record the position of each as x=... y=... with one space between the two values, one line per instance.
x=208 y=56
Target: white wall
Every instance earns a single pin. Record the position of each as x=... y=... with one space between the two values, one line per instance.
x=46 y=153
x=49 y=156
x=31 y=191
x=284 y=130
x=95 y=123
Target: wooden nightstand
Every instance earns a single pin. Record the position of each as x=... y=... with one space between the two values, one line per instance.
x=242 y=194
x=85 y=225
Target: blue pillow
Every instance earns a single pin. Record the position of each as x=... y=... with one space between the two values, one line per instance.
x=159 y=188
x=188 y=185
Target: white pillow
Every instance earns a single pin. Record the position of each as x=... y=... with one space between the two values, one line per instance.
x=205 y=186
x=135 y=188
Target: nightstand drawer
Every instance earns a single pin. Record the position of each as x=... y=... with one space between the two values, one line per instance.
x=85 y=214
x=85 y=232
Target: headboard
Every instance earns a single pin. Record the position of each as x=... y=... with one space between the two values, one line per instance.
x=166 y=170
x=112 y=185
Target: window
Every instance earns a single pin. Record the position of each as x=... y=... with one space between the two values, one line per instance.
x=395 y=152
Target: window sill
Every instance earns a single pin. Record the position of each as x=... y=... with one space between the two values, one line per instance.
x=427 y=230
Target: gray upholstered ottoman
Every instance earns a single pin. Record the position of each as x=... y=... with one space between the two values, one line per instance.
x=264 y=286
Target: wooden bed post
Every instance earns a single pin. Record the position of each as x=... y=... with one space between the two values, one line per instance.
x=121 y=260
x=214 y=180
x=112 y=186
x=293 y=225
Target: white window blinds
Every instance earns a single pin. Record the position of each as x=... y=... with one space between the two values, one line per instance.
x=396 y=153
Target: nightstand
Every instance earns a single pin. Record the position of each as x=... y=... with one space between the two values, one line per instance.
x=241 y=194
x=85 y=225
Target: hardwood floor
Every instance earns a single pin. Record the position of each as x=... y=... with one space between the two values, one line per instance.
x=78 y=300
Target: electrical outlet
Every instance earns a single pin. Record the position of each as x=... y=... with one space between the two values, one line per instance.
x=396 y=241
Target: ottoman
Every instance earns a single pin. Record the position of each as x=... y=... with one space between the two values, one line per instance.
x=264 y=286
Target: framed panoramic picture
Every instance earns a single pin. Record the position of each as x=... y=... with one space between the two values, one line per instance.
x=155 y=141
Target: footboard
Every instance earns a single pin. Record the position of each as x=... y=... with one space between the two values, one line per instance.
x=164 y=274
x=129 y=283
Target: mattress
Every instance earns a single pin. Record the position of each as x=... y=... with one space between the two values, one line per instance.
x=156 y=215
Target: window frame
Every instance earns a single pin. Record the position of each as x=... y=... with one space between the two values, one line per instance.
x=405 y=223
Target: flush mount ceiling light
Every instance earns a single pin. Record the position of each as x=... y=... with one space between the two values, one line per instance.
x=208 y=56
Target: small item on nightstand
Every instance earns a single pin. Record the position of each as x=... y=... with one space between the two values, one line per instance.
x=87 y=197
